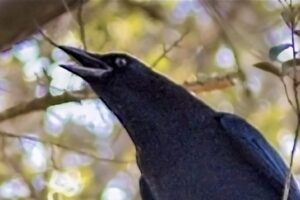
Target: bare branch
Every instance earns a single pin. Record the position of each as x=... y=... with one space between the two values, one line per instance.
x=167 y=50
x=62 y=146
x=217 y=17
x=81 y=25
x=68 y=10
x=287 y=95
x=3 y=145
x=216 y=83
x=42 y=104
x=52 y=158
x=79 y=20
x=25 y=13
x=47 y=38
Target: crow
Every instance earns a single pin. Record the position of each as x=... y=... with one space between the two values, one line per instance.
x=185 y=150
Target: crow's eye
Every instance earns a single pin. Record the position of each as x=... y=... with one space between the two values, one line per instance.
x=121 y=62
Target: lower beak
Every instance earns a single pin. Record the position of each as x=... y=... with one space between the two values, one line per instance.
x=85 y=72
x=89 y=65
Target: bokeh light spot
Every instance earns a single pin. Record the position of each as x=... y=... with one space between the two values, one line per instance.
x=26 y=51
x=35 y=154
x=68 y=183
x=74 y=160
x=102 y=125
x=224 y=58
x=286 y=142
x=38 y=183
x=14 y=188
x=254 y=84
x=63 y=80
x=53 y=123
x=59 y=56
x=114 y=193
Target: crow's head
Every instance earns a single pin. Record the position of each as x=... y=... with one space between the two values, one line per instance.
x=103 y=68
x=143 y=100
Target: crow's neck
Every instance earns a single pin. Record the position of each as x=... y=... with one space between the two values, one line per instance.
x=158 y=117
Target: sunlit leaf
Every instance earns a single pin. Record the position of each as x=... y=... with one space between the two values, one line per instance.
x=276 y=50
x=268 y=67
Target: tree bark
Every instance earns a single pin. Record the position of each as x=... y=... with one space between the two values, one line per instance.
x=19 y=18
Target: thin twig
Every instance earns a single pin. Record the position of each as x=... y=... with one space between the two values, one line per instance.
x=297 y=105
x=3 y=146
x=45 y=36
x=287 y=95
x=167 y=50
x=52 y=158
x=81 y=25
x=216 y=16
x=69 y=11
x=282 y=4
x=62 y=146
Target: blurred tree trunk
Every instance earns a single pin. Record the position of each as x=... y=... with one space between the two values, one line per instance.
x=19 y=18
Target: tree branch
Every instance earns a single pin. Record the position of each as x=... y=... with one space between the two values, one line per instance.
x=26 y=15
x=40 y=104
x=62 y=146
x=167 y=50
x=216 y=83
x=81 y=25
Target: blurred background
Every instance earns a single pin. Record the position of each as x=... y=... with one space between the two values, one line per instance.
x=58 y=141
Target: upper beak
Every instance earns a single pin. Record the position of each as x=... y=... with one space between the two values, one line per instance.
x=90 y=65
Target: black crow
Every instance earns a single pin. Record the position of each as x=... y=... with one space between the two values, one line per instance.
x=185 y=149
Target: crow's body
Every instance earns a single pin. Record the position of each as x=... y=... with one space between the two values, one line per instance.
x=185 y=150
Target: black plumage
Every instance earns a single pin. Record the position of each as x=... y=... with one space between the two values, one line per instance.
x=185 y=150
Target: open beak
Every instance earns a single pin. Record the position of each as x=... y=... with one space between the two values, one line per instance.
x=89 y=65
